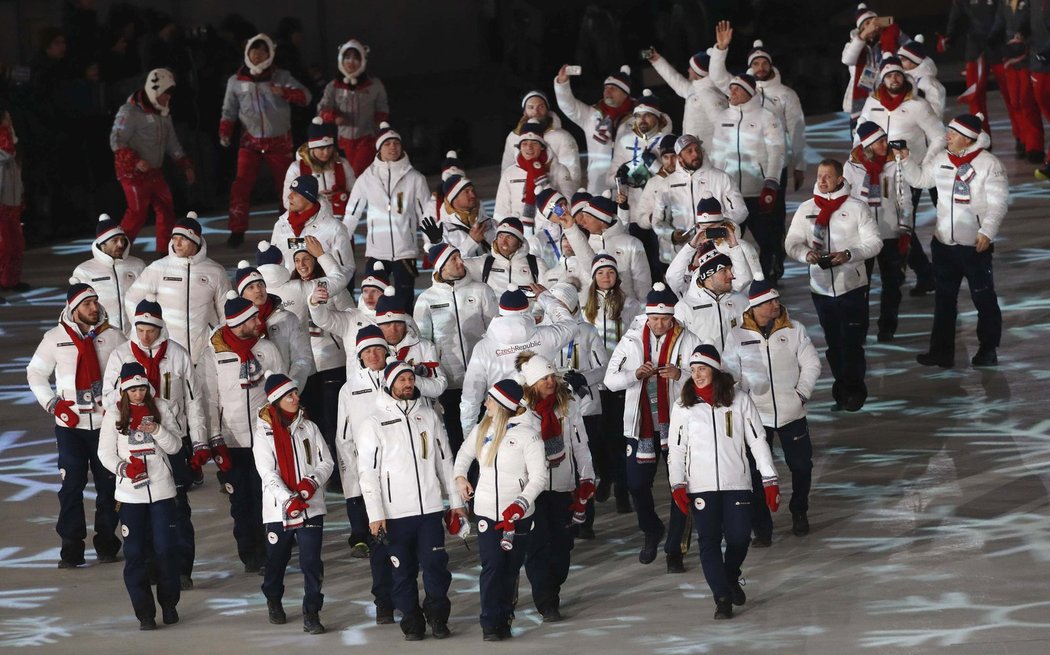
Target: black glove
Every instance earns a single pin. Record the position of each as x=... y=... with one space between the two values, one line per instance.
x=431 y=229
x=622 y=173
x=577 y=382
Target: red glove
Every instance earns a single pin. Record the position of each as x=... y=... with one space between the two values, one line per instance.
x=772 y=493
x=201 y=455
x=453 y=522
x=767 y=197
x=64 y=411
x=294 y=508
x=220 y=452
x=942 y=43
x=680 y=494
x=512 y=513
x=903 y=242
x=586 y=490
x=306 y=488
x=133 y=468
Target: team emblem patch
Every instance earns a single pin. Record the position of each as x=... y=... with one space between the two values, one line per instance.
x=699 y=504
x=395 y=561
x=229 y=488
x=271 y=537
x=62 y=473
x=483 y=525
x=630 y=450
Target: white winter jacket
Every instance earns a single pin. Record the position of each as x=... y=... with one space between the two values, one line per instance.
x=454 y=317
x=559 y=142
x=610 y=330
x=635 y=278
x=342 y=325
x=523 y=268
x=328 y=349
x=192 y=293
x=930 y=88
x=394 y=197
x=457 y=234
x=958 y=223
x=111 y=279
x=630 y=354
x=416 y=351
x=357 y=400
x=312 y=461
x=508 y=336
x=115 y=448
x=703 y=100
x=292 y=339
x=402 y=446
x=708 y=446
x=543 y=236
x=332 y=234
x=232 y=410
x=577 y=463
x=180 y=386
x=675 y=209
x=518 y=471
x=892 y=212
x=631 y=144
x=327 y=180
x=57 y=355
x=779 y=370
x=712 y=317
x=913 y=120
x=588 y=118
x=749 y=146
x=681 y=277
x=852 y=227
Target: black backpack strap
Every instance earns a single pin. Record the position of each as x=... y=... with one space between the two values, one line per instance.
x=487 y=268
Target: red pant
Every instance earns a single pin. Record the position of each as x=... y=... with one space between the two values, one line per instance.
x=142 y=192
x=359 y=152
x=247 y=169
x=977 y=80
x=12 y=245
x=1041 y=91
x=1024 y=112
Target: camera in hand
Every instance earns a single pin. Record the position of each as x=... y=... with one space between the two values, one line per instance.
x=897 y=144
x=824 y=261
x=716 y=232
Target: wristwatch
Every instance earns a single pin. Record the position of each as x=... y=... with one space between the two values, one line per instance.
x=849 y=255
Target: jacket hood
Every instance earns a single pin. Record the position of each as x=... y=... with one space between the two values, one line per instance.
x=983 y=141
x=362 y=50
x=779 y=323
x=838 y=193
x=928 y=68
x=512 y=329
x=156 y=344
x=103 y=319
x=396 y=169
x=102 y=257
x=201 y=256
x=274 y=275
x=261 y=68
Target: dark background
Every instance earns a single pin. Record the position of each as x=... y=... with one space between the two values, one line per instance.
x=455 y=71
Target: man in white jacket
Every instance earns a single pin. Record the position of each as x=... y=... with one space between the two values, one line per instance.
x=190 y=287
x=703 y=100
x=170 y=372
x=602 y=122
x=402 y=446
x=462 y=219
x=834 y=233
x=897 y=108
x=111 y=270
x=535 y=106
x=694 y=178
x=406 y=344
x=863 y=55
x=712 y=226
x=307 y=216
x=749 y=146
x=512 y=332
x=650 y=363
x=712 y=307
x=635 y=150
x=973 y=196
x=779 y=367
x=74 y=352
x=453 y=313
x=233 y=366
x=511 y=262
x=395 y=197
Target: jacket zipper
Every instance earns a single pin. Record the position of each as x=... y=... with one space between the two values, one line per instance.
x=120 y=301
x=772 y=390
x=739 y=158
x=714 y=438
x=415 y=461
x=459 y=329
x=189 y=340
x=389 y=217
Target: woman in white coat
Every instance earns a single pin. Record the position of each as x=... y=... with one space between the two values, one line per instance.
x=134 y=443
x=713 y=426
x=294 y=464
x=512 y=473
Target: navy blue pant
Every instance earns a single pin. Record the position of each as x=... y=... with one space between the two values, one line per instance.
x=149 y=528
x=722 y=515
x=78 y=453
x=950 y=265
x=917 y=259
x=379 y=558
x=547 y=555
x=245 y=494
x=419 y=542
x=596 y=436
x=279 y=551
x=321 y=401
x=500 y=570
x=613 y=440
x=844 y=320
x=185 y=535
x=798 y=453
x=640 y=479
x=769 y=230
x=453 y=428
x=891 y=272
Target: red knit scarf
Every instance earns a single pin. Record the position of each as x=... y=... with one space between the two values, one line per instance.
x=663 y=396
x=151 y=364
x=616 y=113
x=265 y=310
x=88 y=374
x=888 y=100
x=533 y=169
x=243 y=347
x=958 y=161
x=282 y=444
x=550 y=424
x=706 y=394
x=873 y=166
x=298 y=219
x=828 y=206
x=138 y=412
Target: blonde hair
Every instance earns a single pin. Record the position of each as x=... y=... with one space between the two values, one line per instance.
x=498 y=424
x=532 y=396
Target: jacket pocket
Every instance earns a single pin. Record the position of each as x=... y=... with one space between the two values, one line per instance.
x=521 y=483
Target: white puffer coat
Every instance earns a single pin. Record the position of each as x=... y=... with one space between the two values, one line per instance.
x=115 y=448
x=312 y=462
x=454 y=317
x=518 y=471
x=111 y=279
x=749 y=146
x=394 y=197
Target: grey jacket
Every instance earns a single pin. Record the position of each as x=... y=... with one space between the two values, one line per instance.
x=252 y=102
x=146 y=132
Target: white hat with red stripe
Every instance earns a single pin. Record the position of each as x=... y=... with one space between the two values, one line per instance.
x=759 y=292
x=968 y=125
x=278 y=386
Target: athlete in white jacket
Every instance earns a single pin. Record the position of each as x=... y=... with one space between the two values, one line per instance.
x=779 y=368
x=713 y=307
x=635 y=149
x=713 y=426
x=511 y=262
x=703 y=100
x=294 y=464
x=74 y=352
x=111 y=270
x=402 y=446
x=536 y=106
x=463 y=220
x=320 y=158
x=609 y=235
x=681 y=272
x=923 y=71
x=897 y=108
x=308 y=215
x=189 y=287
